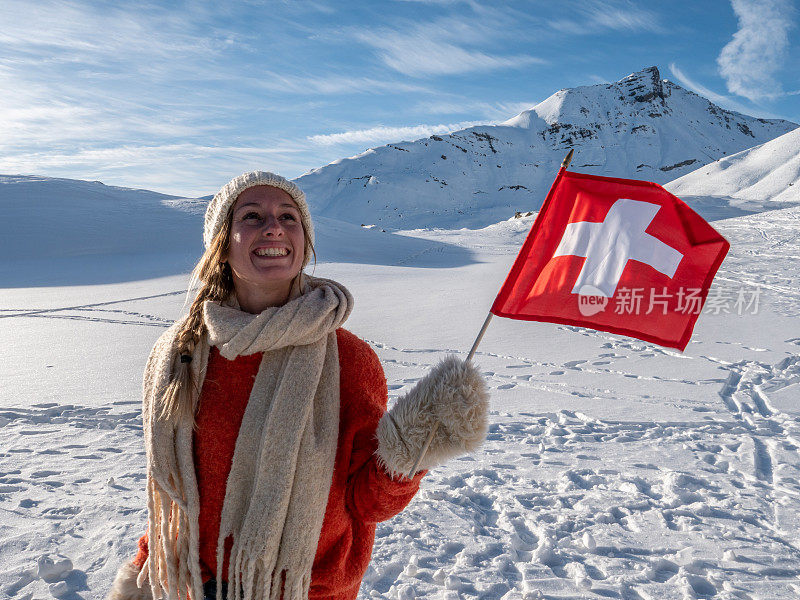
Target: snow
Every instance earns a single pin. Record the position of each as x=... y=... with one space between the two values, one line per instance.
x=613 y=468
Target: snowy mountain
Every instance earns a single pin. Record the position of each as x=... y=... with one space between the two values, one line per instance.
x=762 y=178
x=642 y=127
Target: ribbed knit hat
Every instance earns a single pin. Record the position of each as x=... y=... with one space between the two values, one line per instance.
x=218 y=207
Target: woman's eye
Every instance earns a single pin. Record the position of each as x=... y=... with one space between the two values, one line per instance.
x=251 y=215
x=291 y=216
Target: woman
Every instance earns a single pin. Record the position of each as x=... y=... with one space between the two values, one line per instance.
x=270 y=454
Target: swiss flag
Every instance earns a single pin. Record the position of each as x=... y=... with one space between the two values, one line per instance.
x=615 y=255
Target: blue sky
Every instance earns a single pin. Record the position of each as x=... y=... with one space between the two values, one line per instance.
x=180 y=97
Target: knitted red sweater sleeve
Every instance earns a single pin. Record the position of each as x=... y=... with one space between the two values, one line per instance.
x=141 y=555
x=372 y=495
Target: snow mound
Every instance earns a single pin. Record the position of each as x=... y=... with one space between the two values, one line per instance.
x=761 y=178
x=72 y=232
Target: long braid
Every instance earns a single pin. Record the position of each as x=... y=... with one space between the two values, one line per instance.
x=216 y=282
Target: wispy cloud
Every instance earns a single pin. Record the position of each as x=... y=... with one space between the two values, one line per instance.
x=79 y=33
x=442 y=47
x=758 y=49
x=419 y=55
x=615 y=15
x=80 y=74
x=333 y=84
x=621 y=16
x=384 y=135
x=598 y=79
x=74 y=73
x=434 y=1
x=697 y=88
x=506 y=110
x=492 y=111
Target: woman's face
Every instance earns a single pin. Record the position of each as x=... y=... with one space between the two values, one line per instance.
x=266 y=242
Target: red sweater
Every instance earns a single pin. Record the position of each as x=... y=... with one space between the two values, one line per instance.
x=361 y=494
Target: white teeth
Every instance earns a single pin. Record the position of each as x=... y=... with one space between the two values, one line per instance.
x=272 y=252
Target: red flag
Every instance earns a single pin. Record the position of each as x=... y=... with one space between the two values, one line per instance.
x=615 y=255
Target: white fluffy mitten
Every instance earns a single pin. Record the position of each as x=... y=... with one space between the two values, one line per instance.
x=455 y=396
x=124 y=586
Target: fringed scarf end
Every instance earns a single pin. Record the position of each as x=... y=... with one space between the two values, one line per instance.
x=296 y=584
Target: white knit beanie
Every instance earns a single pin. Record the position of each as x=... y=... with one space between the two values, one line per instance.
x=218 y=207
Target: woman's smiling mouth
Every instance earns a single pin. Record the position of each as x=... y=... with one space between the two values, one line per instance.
x=271 y=251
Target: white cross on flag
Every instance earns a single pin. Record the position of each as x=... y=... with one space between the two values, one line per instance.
x=616 y=255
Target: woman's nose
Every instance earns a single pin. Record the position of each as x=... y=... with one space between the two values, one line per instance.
x=272 y=226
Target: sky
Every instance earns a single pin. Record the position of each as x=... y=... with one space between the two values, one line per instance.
x=179 y=97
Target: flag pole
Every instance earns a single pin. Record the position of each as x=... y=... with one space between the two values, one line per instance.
x=564 y=164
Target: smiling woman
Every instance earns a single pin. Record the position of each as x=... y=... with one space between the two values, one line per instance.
x=270 y=454
x=267 y=247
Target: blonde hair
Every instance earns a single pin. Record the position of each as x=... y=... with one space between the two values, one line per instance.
x=215 y=277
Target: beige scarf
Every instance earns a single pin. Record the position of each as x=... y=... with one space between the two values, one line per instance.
x=277 y=489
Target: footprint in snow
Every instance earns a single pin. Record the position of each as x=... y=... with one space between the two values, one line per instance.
x=700 y=586
x=573 y=364
x=661 y=570
x=55 y=570
x=40 y=474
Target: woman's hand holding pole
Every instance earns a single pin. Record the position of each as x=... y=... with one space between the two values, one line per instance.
x=443 y=416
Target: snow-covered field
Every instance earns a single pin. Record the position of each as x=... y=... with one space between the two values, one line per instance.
x=613 y=468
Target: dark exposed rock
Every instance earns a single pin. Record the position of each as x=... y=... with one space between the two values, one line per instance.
x=645 y=86
x=680 y=164
x=745 y=129
x=488 y=138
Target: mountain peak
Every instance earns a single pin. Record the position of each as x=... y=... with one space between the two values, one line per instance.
x=646 y=73
x=644 y=85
